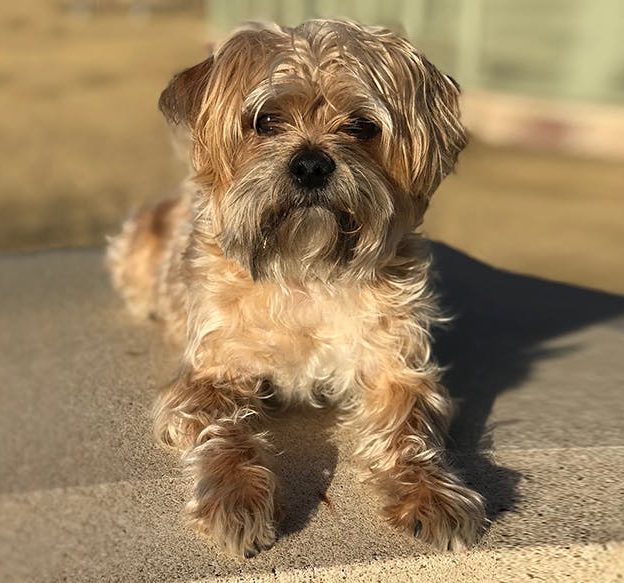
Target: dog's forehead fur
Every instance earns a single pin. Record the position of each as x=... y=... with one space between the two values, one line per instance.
x=345 y=68
x=351 y=68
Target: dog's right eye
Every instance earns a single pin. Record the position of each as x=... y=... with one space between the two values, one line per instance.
x=266 y=124
x=361 y=128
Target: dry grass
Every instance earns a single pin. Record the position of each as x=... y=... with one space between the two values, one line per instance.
x=81 y=142
x=78 y=119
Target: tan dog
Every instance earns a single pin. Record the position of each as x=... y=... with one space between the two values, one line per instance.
x=292 y=266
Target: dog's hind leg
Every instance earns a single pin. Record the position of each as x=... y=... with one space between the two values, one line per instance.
x=137 y=256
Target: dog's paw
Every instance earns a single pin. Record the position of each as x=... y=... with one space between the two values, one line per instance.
x=244 y=531
x=442 y=513
x=236 y=512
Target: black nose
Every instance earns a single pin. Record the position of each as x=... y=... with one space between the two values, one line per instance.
x=311 y=168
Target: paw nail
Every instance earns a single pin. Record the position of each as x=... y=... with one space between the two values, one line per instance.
x=417 y=528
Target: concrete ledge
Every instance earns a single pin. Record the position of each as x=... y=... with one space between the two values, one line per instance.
x=85 y=496
x=569 y=563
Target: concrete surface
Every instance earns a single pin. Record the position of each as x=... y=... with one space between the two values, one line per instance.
x=537 y=370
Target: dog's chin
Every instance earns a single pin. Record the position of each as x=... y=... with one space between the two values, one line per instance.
x=306 y=240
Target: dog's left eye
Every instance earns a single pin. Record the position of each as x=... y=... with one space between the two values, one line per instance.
x=266 y=124
x=361 y=128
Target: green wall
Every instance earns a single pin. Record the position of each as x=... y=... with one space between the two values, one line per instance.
x=564 y=49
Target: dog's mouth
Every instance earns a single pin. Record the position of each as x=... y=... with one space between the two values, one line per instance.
x=306 y=229
x=303 y=198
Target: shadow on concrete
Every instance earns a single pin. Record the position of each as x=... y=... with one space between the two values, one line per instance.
x=501 y=321
x=305 y=464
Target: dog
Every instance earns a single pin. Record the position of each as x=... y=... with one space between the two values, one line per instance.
x=291 y=265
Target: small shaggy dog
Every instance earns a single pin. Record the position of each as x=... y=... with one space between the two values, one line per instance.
x=291 y=266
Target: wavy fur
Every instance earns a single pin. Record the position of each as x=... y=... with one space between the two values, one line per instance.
x=272 y=293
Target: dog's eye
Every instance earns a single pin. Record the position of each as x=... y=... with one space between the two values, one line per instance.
x=266 y=124
x=361 y=128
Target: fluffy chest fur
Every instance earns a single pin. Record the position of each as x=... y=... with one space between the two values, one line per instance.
x=306 y=340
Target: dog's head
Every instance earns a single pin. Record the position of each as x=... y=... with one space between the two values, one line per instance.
x=316 y=148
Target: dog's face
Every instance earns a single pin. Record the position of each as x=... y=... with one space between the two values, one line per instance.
x=316 y=148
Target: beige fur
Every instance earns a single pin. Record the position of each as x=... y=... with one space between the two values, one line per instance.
x=312 y=300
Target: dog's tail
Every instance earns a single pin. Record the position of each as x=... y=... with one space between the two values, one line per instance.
x=136 y=257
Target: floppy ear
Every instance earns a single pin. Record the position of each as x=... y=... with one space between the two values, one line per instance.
x=439 y=135
x=181 y=101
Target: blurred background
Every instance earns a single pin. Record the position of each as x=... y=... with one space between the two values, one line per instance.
x=540 y=189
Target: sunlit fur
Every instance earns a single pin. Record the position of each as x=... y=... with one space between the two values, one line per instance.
x=323 y=299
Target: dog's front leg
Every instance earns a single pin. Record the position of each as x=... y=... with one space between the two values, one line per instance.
x=402 y=419
x=210 y=419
